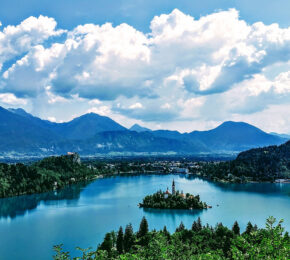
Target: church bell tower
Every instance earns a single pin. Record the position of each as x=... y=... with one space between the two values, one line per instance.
x=173 y=187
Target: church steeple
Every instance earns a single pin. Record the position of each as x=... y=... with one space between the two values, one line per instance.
x=173 y=187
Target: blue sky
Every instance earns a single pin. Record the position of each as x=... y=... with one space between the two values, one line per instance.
x=181 y=65
x=138 y=13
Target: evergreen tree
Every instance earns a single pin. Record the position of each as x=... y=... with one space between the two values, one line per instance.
x=143 y=229
x=181 y=227
x=255 y=228
x=196 y=225
x=166 y=233
x=107 y=243
x=249 y=228
x=236 y=228
x=199 y=225
x=114 y=238
x=128 y=238
x=120 y=241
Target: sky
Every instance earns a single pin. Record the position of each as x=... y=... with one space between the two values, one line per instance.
x=181 y=65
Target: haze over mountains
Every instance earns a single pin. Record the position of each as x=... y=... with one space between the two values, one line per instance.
x=92 y=134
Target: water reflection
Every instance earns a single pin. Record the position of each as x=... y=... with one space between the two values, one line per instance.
x=264 y=188
x=173 y=212
x=19 y=206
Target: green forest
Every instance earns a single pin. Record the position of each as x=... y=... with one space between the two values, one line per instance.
x=161 y=200
x=47 y=174
x=260 y=164
x=199 y=242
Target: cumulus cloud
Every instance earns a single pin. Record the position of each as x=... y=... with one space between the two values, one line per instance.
x=11 y=99
x=16 y=40
x=101 y=110
x=259 y=93
x=184 y=69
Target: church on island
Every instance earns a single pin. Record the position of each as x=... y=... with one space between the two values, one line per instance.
x=167 y=192
x=172 y=200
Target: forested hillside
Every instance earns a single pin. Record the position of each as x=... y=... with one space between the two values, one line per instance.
x=261 y=164
x=50 y=173
x=199 y=242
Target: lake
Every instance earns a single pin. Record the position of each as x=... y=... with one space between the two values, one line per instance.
x=80 y=215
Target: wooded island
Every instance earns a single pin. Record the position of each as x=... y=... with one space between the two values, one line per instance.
x=174 y=200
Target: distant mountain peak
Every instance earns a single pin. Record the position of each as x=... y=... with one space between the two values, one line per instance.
x=233 y=125
x=19 y=111
x=138 y=128
x=91 y=134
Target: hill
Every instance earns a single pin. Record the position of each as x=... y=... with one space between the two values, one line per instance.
x=261 y=164
x=235 y=136
x=47 y=174
x=138 y=128
x=23 y=134
x=227 y=137
x=87 y=126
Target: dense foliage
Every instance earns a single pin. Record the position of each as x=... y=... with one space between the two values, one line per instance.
x=261 y=164
x=200 y=242
x=47 y=174
x=161 y=200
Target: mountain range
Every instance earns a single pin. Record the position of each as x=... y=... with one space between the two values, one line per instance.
x=23 y=134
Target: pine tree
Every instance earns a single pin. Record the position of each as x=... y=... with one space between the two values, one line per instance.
x=143 y=229
x=107 y=243
x=249 y=228
x=165 y=232
x=181 y=227
x=196 y=225
x=199 y=225
x=120 y=241
x=255 y=228
x=236 y=228
x=128 y=238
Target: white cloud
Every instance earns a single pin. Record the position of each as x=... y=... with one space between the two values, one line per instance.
x=51 y=119
x=102 y=110
x=16 y=40
x=95 y=102
x=213 y=68
x=10 y=99
x=136 y=106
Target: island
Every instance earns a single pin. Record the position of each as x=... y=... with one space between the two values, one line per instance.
x=174 y=200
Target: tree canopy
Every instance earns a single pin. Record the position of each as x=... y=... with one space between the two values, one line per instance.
x=205 y=243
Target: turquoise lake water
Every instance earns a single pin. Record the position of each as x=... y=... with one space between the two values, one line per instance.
x=80 y=215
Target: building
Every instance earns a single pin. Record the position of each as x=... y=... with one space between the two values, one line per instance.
x=181 y=194
x=173 y=187
x=75 y=156
x=179 y=170
x=167 y=192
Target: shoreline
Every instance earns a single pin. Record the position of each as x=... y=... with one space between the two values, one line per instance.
x=137 y=173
